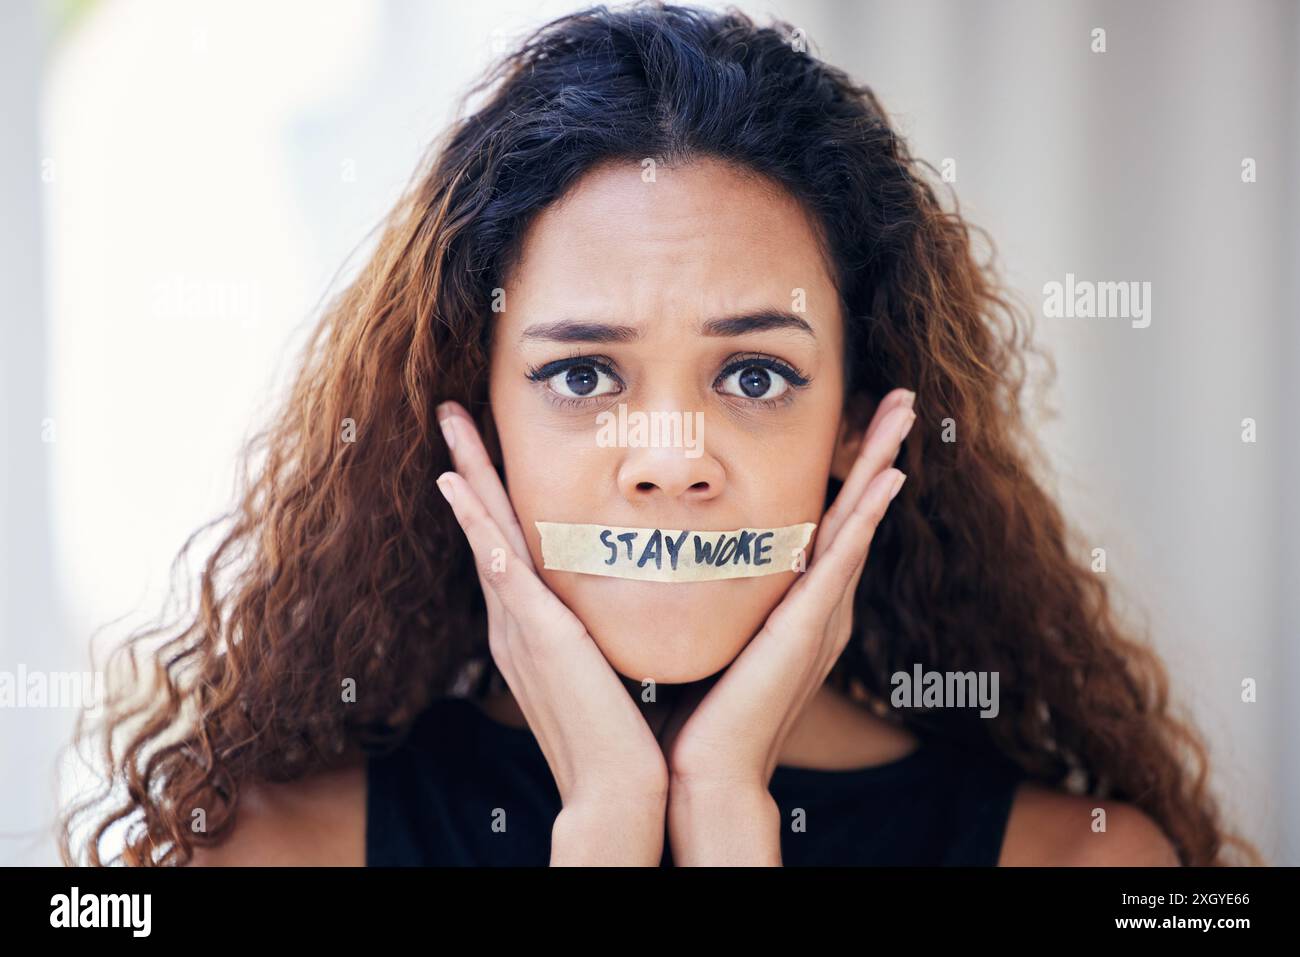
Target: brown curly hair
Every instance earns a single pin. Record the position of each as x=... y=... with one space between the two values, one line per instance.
x=343 y=597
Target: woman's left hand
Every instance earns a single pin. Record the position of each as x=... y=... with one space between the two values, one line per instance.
x=722 y=755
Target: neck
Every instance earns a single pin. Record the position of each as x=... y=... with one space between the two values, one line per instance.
x=833 y=732
x=660 y=702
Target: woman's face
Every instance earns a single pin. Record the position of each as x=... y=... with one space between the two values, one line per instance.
x=622 y=296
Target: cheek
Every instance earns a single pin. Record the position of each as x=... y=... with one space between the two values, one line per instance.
x=800 y=490
x=545 y=483
x=551 y=469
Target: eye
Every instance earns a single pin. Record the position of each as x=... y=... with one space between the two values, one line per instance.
x=760 y=379
x=580 y=382
x=755 y=382
x=576 y=378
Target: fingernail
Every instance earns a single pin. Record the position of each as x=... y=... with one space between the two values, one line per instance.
x=444 y=486
x=909 y=399
x=897 y=485
x=907 y=427
x=448 y=432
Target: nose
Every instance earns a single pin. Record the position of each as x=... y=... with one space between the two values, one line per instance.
x=669 y=473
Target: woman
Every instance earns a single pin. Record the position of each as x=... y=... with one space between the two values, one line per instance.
x=658 y=210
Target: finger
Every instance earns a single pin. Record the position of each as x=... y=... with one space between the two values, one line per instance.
x=459 y=448
x=854 y=485
x=834 y=573
x=898 y=398
x=878 y=452
x=471 y=461
x=522 y=593
x=792 y=642
x=799 y=621
x=497 y=630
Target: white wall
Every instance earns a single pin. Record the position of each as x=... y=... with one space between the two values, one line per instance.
x=1127 y=166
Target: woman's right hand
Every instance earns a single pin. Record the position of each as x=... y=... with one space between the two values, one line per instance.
x=607 y=764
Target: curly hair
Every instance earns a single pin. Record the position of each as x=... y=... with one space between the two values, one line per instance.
x=343 y=597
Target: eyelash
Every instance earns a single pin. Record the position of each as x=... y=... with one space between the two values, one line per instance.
x=794 y=378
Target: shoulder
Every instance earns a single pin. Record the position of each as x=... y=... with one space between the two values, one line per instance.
x=1050 y=828
x=317 y=821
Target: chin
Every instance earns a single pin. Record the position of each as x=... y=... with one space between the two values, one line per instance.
x=671 y=632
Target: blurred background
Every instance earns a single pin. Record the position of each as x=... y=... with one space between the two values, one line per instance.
x=182 y=182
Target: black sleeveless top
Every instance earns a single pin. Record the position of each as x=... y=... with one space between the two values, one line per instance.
x=441 y=798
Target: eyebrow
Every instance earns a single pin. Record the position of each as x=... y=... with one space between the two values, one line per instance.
x=569 y=330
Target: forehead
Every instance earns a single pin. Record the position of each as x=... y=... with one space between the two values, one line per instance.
x=689 y=244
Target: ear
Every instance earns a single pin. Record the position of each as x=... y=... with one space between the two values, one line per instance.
x=855 y=418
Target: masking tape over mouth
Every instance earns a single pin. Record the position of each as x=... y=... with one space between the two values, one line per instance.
x=673 y=554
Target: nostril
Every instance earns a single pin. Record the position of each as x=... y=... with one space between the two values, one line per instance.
x=644 y=486
x=701 y=485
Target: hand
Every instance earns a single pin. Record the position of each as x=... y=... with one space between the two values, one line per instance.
x=602 y=754
x=725 y=749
